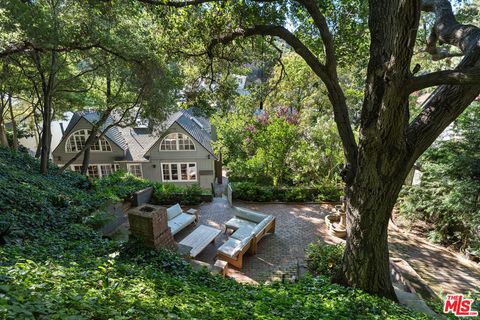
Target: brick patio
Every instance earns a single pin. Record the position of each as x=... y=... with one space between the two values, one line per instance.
x=279 y=253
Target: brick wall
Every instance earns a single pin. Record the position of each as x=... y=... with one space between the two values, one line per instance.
x=148 y=223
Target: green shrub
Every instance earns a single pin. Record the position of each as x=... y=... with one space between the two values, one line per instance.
x=192 y=194
x=324 y=259
x=448 y=197
x=329 y=191
x=169 y=193
x=298 y=194
x=98 y=219
x=251 y=191
x=120 y=185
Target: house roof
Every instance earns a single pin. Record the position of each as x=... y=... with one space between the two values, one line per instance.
x=202 y=133
x=199 y=128
x=138 y=141
x=113 y=133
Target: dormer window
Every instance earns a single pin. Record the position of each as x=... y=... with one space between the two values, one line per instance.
x=177 y=142
x=76 y=142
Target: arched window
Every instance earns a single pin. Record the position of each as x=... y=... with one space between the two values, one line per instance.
x=177 y=142
x=77 y=140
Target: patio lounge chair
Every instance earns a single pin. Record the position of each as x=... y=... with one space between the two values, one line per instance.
x=179 y=220
x=250 y=227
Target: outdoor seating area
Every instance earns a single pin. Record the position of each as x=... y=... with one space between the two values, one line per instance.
x=249 y=228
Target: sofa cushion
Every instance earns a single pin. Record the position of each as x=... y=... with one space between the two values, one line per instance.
x=237 y=223
x=249 y=215
x=230 y=247
x=243 y=232
x=259 y=227
x=180 y=222
x=174 y=211
x=233 y=246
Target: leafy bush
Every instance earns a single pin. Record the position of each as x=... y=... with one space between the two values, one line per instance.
x=168 y=193
x=250 y=191
x=324 y=259
x=60 y=268
x=120 y=185
x=98 y=218
x=329 y=191
x=448 y=197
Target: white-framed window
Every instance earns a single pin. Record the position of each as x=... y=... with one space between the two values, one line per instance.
x=97 y=170
x=135 y=169
x=177 y=142
x=76 y=142
x=179 y=171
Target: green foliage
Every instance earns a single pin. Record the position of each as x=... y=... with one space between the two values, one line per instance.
x=98 y=219
x=251 y=191
x=448 y=196
x=169 y=193
x=120 y=185
x=324 y=259
x=59 y=268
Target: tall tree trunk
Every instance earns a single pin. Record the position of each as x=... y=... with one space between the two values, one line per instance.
x=383 y=152
x=3 y=134
x=85 y=161
x=366 y=259
x=46 y=137
x=14 y=124
x=47 y=110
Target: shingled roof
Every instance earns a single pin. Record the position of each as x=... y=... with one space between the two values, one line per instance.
x=113 y=133
x=137 y=141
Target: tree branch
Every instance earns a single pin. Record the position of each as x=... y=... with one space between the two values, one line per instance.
x=321 y=23
x=447 y=102
x=458 y=76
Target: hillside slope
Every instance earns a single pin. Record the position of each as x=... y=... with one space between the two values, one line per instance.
x=55 y=266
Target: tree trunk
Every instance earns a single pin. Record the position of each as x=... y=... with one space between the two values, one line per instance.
x=383 y=158
x=14 y=124
x=85 y=161
x=3 y=134
x=366 y=257
x=46 y=137
x=47 y=110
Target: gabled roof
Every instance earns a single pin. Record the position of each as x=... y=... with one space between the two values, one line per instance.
x=199 y=130
x=200 y=133
x=136 y=142
x=113 y=133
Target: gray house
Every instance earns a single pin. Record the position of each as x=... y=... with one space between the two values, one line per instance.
x=181 y=153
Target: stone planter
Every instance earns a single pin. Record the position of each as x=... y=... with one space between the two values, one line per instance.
x=333 y=223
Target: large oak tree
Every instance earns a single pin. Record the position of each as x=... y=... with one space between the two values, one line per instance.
x=390 y=139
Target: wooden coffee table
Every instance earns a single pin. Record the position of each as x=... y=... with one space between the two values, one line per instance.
x=200 y=238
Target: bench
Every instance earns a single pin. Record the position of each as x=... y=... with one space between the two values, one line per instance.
x=179 y=220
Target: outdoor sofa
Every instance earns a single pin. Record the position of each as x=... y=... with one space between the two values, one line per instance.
x=249 y=227
x=179 y=220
